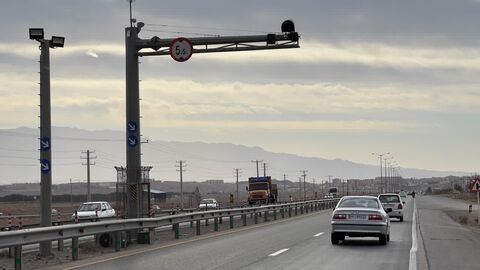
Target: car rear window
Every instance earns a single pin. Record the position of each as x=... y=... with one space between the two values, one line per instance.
x=359 y=203
x=389 y=198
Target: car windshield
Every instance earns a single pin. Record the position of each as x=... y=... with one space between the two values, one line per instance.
x=258 y=186
x=90 y=207
x=389 y=198
x=359 y=203
x=207 y=201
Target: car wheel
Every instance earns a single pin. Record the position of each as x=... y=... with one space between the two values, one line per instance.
x=341 y=237
x=401 y=219
x=383 y=240
x=388 y=237
x=334 y=239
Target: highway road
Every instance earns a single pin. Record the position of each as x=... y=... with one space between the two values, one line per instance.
x=295 y=243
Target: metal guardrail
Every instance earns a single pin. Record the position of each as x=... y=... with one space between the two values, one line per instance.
x=16 y=239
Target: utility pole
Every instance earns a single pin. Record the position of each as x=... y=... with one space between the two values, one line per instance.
x=71 y=192
x=236 y=175
x=299 y=188
x=181 y=170
x=284 y=183
x=304 y=184
x=313 y=180
x=257 y=161
x=329 y=180
x=45 y=131
x=88 y=158
x=264 y=169
x=180 y=49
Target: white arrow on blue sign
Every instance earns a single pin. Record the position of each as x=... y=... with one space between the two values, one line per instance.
x=45 y=144
x=132 y=127
x=132 y=140
x=45 y=165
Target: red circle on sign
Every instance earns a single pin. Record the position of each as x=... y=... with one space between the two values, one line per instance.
x=181 y=49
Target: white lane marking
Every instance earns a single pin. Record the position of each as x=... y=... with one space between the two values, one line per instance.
x=278 y=252
x=318 y=234
x=413 y=251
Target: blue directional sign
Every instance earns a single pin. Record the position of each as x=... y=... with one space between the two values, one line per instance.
x=45 y=166
x=131 y=127
x=132 y=140
x=44 y=144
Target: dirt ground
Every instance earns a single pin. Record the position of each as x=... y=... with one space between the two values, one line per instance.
x=465 y=218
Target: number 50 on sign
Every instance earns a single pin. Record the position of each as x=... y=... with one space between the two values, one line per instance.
x=181 y=49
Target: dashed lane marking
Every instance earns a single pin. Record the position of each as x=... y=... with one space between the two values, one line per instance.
x=278 y=252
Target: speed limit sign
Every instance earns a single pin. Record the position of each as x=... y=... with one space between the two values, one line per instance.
x=181 y=49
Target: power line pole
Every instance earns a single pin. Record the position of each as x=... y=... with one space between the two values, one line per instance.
x=88 y=158
x=71 y=192
x=236 y=175
x=314 y=187
x=299 y=188
x=257 y=161
x=264 y=169
x=380 y=157
x=304 y=184
x=284 y=182
x=181 y=170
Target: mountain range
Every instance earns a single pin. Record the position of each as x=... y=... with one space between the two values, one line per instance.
x=19 y=156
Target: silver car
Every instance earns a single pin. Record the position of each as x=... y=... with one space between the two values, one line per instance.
x=360 y=216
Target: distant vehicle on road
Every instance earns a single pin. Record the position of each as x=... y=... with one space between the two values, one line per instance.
x=94 y=211
x=333 y=191
x=328 y=196
x=360 y=216
x=394 y=202
x=403 y=196
x=207 y=204
x=261 y=190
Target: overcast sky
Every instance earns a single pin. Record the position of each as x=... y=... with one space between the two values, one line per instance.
x=370 y=76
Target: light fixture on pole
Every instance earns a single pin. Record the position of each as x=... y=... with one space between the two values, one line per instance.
x=45 y=131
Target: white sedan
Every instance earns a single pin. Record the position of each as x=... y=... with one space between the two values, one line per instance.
x=208 y=204
x=94 y=211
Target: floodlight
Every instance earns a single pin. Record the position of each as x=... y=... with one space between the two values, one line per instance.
x=57 y=41
x=36 y=33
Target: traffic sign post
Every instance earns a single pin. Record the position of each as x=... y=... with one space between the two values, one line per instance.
x=180 y=49
x=476 y=188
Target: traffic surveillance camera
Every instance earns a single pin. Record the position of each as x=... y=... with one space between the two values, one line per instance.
x=36 y=33
x=288 y=26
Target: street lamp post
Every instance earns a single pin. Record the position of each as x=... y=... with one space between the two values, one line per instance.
x=380 y=157
x=45 y=130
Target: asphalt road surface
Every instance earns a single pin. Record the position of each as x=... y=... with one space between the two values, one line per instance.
x=293 y=243
x=448 y=244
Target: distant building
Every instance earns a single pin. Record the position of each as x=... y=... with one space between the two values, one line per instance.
x=158 y=196
x=214 y=182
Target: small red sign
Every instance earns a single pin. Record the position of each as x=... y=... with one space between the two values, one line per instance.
x=475 y=187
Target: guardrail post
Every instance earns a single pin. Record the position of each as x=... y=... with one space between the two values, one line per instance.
x=255 y=218
x=220 y=220
x=296 y=210
x=265 y=218
x=117 y=241
x=198 y=227
x=231 y=222
x=282 y=212
x=306 y=208
x=215 y=224
x=244 y=219
x=274 y=214
x=74 y=248
x=176 y=229
x=289 y=211
x=191 y=224
x=316 y=206
x=311 y=207
x=18 y=257
x=206 y=222
x=60 y=245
